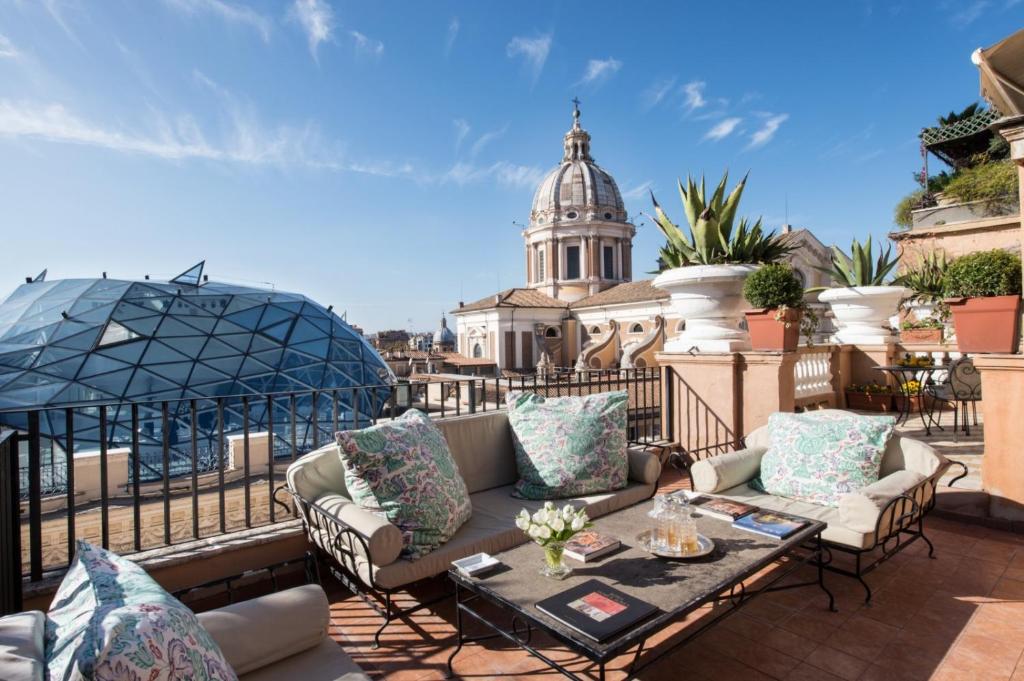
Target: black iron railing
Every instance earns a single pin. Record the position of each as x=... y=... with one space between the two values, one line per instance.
x=197 y=467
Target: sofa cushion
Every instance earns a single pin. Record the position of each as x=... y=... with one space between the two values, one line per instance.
x=819 y=456
x=299 y=616
x=861 y=509
x=403 y=469
x=21 y=646
x=491 y=528
x=326 y=662
x=569 y=446
x=134 y=630
x=717 y=473
x=383 y=538
x=835 y=532
x=318 y=472
x=481 y=445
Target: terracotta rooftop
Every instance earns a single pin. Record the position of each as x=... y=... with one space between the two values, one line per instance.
x=461 y=360
x=629 y=292
x=513 y=297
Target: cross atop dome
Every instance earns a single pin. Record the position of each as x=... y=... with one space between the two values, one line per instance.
x=577 y=140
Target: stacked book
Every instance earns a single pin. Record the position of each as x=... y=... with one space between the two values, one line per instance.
x=747 y=517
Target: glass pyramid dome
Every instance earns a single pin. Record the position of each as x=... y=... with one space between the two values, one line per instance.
x=86 y=342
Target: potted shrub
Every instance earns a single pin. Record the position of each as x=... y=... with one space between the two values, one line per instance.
x=925 y=281
x=862 y=302
x=869 y=397
x=983 y=292
x=704 y=270
x=921 y=331
x=909 y=391
x=777 y=296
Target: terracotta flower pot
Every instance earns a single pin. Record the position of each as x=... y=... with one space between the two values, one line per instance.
x=986 y=324
x=769 y=333
x=924 y=335
x=869 y=401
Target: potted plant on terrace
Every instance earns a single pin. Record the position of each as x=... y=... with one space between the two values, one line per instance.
x=778 y=298
x=983 y=292
x=862 y=302
x=704 y=271
x=869 y=397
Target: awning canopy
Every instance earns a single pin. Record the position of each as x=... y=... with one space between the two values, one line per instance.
x=1002 y=74
x=958 y=142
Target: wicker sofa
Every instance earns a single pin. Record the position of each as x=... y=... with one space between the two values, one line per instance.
x=279 y=636
x=871 y=525
x=364 y=547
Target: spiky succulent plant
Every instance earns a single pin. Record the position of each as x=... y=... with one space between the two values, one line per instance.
x=859 y=268
x=713 y=237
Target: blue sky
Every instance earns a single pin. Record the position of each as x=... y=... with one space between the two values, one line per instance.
x=376 y=156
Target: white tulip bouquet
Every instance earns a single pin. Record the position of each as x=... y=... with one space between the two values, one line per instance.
x=550 y=525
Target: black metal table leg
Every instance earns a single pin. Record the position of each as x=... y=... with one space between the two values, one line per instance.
x=458 y=631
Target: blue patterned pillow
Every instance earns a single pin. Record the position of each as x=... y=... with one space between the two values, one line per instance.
x=821 y=455
x=111 y=621
x=404 y=470
x=569 y=446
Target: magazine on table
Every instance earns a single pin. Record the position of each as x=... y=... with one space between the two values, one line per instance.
x=718 y=507
x=771 y=524
x=588 y=546
x=596 y=610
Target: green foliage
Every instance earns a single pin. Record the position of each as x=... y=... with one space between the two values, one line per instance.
x=954 y=117
x=774 y=285
x=713 y=238
x=926 y=278
x=860 y=268
x=910 y=202
x=994 y=183
x=983 y=274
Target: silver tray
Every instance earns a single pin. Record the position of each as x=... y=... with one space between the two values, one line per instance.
x=705 y=546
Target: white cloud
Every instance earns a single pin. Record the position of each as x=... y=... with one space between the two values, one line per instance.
x=657 y=91
x=969 y=12
x=317 y=19
x=7 y=48
x=366 y=44
x=461 y=130
x=231 y=13
x=503 y=172
x=486 y=139
x=534 y=52
x=693 y=92
x=242 y=140
x=723 y=129
x=638 y=192
x=453 y=33
x=766 y=132
x=599 y=69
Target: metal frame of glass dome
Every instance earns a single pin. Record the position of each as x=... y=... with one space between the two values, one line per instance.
x=169 y=349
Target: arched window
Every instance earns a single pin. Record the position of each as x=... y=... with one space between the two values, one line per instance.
x=478 y=351
x=551 y=332
x=681 y=326
x=637 y=328
x=594 y=330
x=801 y=277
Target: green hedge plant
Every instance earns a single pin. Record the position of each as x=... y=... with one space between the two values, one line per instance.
x=772 y=286
x=983 y=275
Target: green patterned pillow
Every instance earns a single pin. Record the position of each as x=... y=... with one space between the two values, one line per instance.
x=569 y=446
x=111 y=621
x=821 y=455
x=404 y=470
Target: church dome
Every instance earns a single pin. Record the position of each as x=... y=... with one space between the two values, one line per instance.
x=578 y=188
x=444 y=335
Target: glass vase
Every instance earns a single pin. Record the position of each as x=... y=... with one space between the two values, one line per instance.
x=554 y=563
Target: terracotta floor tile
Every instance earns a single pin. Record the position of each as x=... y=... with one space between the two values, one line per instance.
x=975 y=654
x=806 y=672
x=862 y=637
x=836 y=662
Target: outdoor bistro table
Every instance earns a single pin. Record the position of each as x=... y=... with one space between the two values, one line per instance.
x=921 y=374
x=676 y=587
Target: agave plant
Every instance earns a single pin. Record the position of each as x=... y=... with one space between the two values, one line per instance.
x=858 y=268
x=713 y=237
x=926 y=278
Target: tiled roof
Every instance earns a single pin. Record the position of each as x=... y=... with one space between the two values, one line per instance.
x=629 y=292
x=461 y=360
x=513 y=297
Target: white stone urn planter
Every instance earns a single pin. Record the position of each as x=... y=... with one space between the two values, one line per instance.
x=862 y=312
x=709 y=298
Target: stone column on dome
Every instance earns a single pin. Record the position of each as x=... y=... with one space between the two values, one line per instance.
x=553 y=258
x=627 y=260
x=618 y=258
x=529 y=264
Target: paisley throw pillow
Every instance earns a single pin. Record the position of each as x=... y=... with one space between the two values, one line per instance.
x=819 y=456
x=403 y=470
x=569 y=446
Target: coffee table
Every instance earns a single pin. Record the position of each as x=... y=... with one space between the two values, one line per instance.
x=677 y=587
